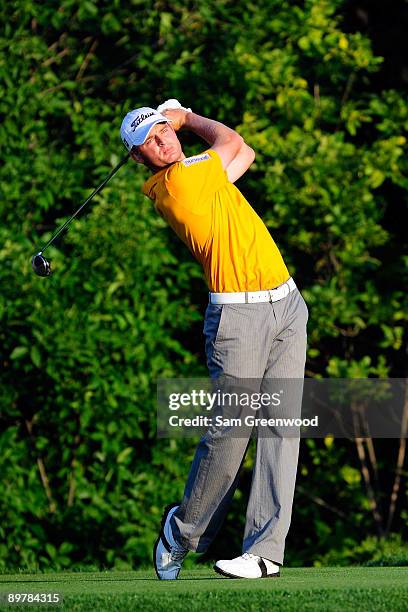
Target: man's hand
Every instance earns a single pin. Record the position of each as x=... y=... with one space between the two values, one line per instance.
x=177 y=116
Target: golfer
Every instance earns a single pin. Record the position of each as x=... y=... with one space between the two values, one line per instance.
x=255 y=328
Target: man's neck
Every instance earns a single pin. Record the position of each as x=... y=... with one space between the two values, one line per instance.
x=156 y=169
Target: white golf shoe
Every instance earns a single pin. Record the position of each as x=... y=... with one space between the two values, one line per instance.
x=168 y=554
x=247 y=566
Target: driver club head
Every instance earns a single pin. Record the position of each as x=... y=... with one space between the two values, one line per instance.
x=40 y=265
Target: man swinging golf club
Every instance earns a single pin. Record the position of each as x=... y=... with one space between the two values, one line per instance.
x=255 y=328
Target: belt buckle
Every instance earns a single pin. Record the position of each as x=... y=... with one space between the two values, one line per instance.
x=270 y=295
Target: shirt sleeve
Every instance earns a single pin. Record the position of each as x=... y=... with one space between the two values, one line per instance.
x=194 y=180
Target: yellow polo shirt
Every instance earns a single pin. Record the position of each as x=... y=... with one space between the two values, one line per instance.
x=218 y=225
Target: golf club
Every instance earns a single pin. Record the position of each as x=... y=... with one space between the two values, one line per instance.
x=40 y=264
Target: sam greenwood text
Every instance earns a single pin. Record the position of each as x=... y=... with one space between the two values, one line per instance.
x=248 y=421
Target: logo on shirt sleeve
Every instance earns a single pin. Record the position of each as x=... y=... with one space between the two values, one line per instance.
x=189 y=161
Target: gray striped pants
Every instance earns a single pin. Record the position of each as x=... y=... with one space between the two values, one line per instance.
x=259 y=342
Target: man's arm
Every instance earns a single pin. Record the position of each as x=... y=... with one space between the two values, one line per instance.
x=236 y=156
x=222 y=139
x=240 y=164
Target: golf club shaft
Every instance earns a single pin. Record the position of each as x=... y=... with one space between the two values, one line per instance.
x=97 y=190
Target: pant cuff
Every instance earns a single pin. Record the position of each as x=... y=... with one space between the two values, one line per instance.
x=266 y=553
x=194 y=546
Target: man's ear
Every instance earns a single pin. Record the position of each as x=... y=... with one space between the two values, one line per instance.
x=137 y=156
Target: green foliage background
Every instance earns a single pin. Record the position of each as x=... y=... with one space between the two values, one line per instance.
x=83 y=477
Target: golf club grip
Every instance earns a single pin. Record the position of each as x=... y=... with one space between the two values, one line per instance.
x=97 y=190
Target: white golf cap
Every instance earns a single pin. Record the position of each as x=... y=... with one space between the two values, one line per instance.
x=137 y=125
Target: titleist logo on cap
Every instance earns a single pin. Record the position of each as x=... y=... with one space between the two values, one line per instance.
x=139 y=120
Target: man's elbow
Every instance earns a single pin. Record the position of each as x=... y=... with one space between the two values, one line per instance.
x=250 y=154
x=238 y=141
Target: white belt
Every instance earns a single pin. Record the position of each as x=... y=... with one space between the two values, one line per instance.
x=252 y=297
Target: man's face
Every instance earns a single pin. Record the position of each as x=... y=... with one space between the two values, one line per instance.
x=161 y=147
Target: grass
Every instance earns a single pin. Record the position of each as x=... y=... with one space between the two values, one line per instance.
x=314 y=589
